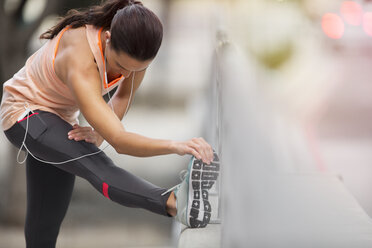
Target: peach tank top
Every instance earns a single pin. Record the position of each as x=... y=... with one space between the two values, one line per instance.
x=37 y=84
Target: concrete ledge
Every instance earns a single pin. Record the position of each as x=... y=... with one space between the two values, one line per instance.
x=209 y=236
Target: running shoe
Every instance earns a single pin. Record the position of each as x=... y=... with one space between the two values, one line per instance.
x=193 y=207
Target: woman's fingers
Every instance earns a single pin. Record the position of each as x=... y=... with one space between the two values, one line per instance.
x=207 y=149
x=198 y=146
x=194 y=153
x=202 y=148
x=87 y=134
x=81 y=133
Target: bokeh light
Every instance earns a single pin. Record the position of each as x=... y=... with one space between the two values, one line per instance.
x=367 y=23
x=352 y=13
x=333 y=26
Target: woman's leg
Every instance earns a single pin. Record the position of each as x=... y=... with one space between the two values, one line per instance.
x=49 y=192
x=111 y=181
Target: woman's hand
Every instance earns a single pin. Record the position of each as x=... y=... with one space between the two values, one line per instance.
x=79 y=133
x=197 y=147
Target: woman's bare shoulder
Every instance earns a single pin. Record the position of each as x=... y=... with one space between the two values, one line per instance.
x=74 y=39
x=73 y=50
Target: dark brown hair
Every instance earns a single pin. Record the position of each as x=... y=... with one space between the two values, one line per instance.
x=135 y=29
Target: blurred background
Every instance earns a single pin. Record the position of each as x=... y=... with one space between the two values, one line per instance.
x=298 y=88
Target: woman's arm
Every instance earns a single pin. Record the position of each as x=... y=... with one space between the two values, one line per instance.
x=105 y=122
x=119 y=103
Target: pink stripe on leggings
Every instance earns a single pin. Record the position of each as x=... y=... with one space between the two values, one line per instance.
x=105 y=189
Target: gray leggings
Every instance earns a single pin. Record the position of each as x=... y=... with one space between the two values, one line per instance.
x=49 y=187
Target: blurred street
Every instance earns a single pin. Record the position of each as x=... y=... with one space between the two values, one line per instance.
x=345 y=125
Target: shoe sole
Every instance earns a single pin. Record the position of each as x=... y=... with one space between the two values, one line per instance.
x=202 y=177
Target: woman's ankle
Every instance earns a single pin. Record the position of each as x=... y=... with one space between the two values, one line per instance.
x=171 y=205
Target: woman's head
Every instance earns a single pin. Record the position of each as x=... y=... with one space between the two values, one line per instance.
x=134 y=29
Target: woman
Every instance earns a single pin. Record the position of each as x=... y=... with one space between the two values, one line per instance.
x=87 y=54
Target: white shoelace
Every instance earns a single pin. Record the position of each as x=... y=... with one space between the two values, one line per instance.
x=182 y=176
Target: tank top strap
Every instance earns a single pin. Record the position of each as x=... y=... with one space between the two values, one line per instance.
x=57 y=43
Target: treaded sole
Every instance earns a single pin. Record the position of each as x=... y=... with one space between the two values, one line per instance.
x=202 y=177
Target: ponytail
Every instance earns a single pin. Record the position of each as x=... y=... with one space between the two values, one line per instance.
x=99 y=15
x=134 y=29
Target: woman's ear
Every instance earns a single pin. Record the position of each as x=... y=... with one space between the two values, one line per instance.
x=107 y=36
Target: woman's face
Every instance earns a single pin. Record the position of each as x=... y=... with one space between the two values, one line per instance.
x=122 y=63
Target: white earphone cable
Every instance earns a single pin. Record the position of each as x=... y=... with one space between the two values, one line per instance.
x=28 y=110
